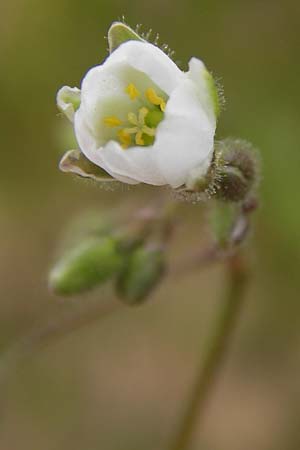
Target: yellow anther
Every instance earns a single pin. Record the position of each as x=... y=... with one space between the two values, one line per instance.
x=148 y=130
x=124 y=138
x=132 y=118
x=163 y=106
x=138 y=131
x=155 y=99
x=139 y=138
x=112 y=121
x=142 y=114
x=132 y=130
x=132 y=91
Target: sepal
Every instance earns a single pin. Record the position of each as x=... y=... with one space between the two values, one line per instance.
x=119 y=33
x=75 y=162
x=68 y=101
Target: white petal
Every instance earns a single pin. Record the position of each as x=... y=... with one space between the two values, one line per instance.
x=138 y=163
x=89 y=148
x=185 y=137
x=148 y=59
x=103 y=94
x=68 y=100
x=133 y=165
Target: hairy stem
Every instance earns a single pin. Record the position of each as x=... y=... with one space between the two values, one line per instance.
x=216 y=351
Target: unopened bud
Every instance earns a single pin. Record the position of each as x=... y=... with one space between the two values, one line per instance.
x=236 y=168
x=141 y=274
x=91 y=263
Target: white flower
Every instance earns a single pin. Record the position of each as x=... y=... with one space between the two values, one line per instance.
x=142 y=119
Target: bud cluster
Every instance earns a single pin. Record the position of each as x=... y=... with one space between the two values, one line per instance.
x=131 y=256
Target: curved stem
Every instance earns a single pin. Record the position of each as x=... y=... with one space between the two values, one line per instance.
x=216 y=350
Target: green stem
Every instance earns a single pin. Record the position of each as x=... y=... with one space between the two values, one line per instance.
x=216 y=351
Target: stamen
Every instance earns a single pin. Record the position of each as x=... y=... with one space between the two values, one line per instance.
x=124 y=138
x=142 y=114
x=148 y=130
x=112 y=121
x=132 y=91
x=131 y=130
x=139 y=139
x=132 y=118
x=141 y=126
x=155 y=99
x=139 y=130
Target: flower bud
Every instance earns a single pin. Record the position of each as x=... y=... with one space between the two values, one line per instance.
x=91 y=263
x=144 y=269
x=236 y=169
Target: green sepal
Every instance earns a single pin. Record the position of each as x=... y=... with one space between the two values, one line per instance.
x=213 y=91
x=119 y=33
x=75 y=162
x=90 y=263
x=140 y=275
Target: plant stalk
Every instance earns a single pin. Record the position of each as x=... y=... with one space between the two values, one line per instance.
x=215 y=353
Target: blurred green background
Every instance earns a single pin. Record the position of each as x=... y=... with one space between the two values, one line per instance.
x=121 y=383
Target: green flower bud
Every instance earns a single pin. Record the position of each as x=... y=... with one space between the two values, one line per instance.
x=144 y=269
x=91 y=263
x=236 y=169
x=233 y=185
x=119 y=33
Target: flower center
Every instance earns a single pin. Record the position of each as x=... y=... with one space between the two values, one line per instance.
x=140 y=127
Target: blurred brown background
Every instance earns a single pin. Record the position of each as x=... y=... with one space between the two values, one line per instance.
x=121 y=383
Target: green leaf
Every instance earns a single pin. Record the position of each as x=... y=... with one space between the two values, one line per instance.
x=120 y=33
x=75 y=162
